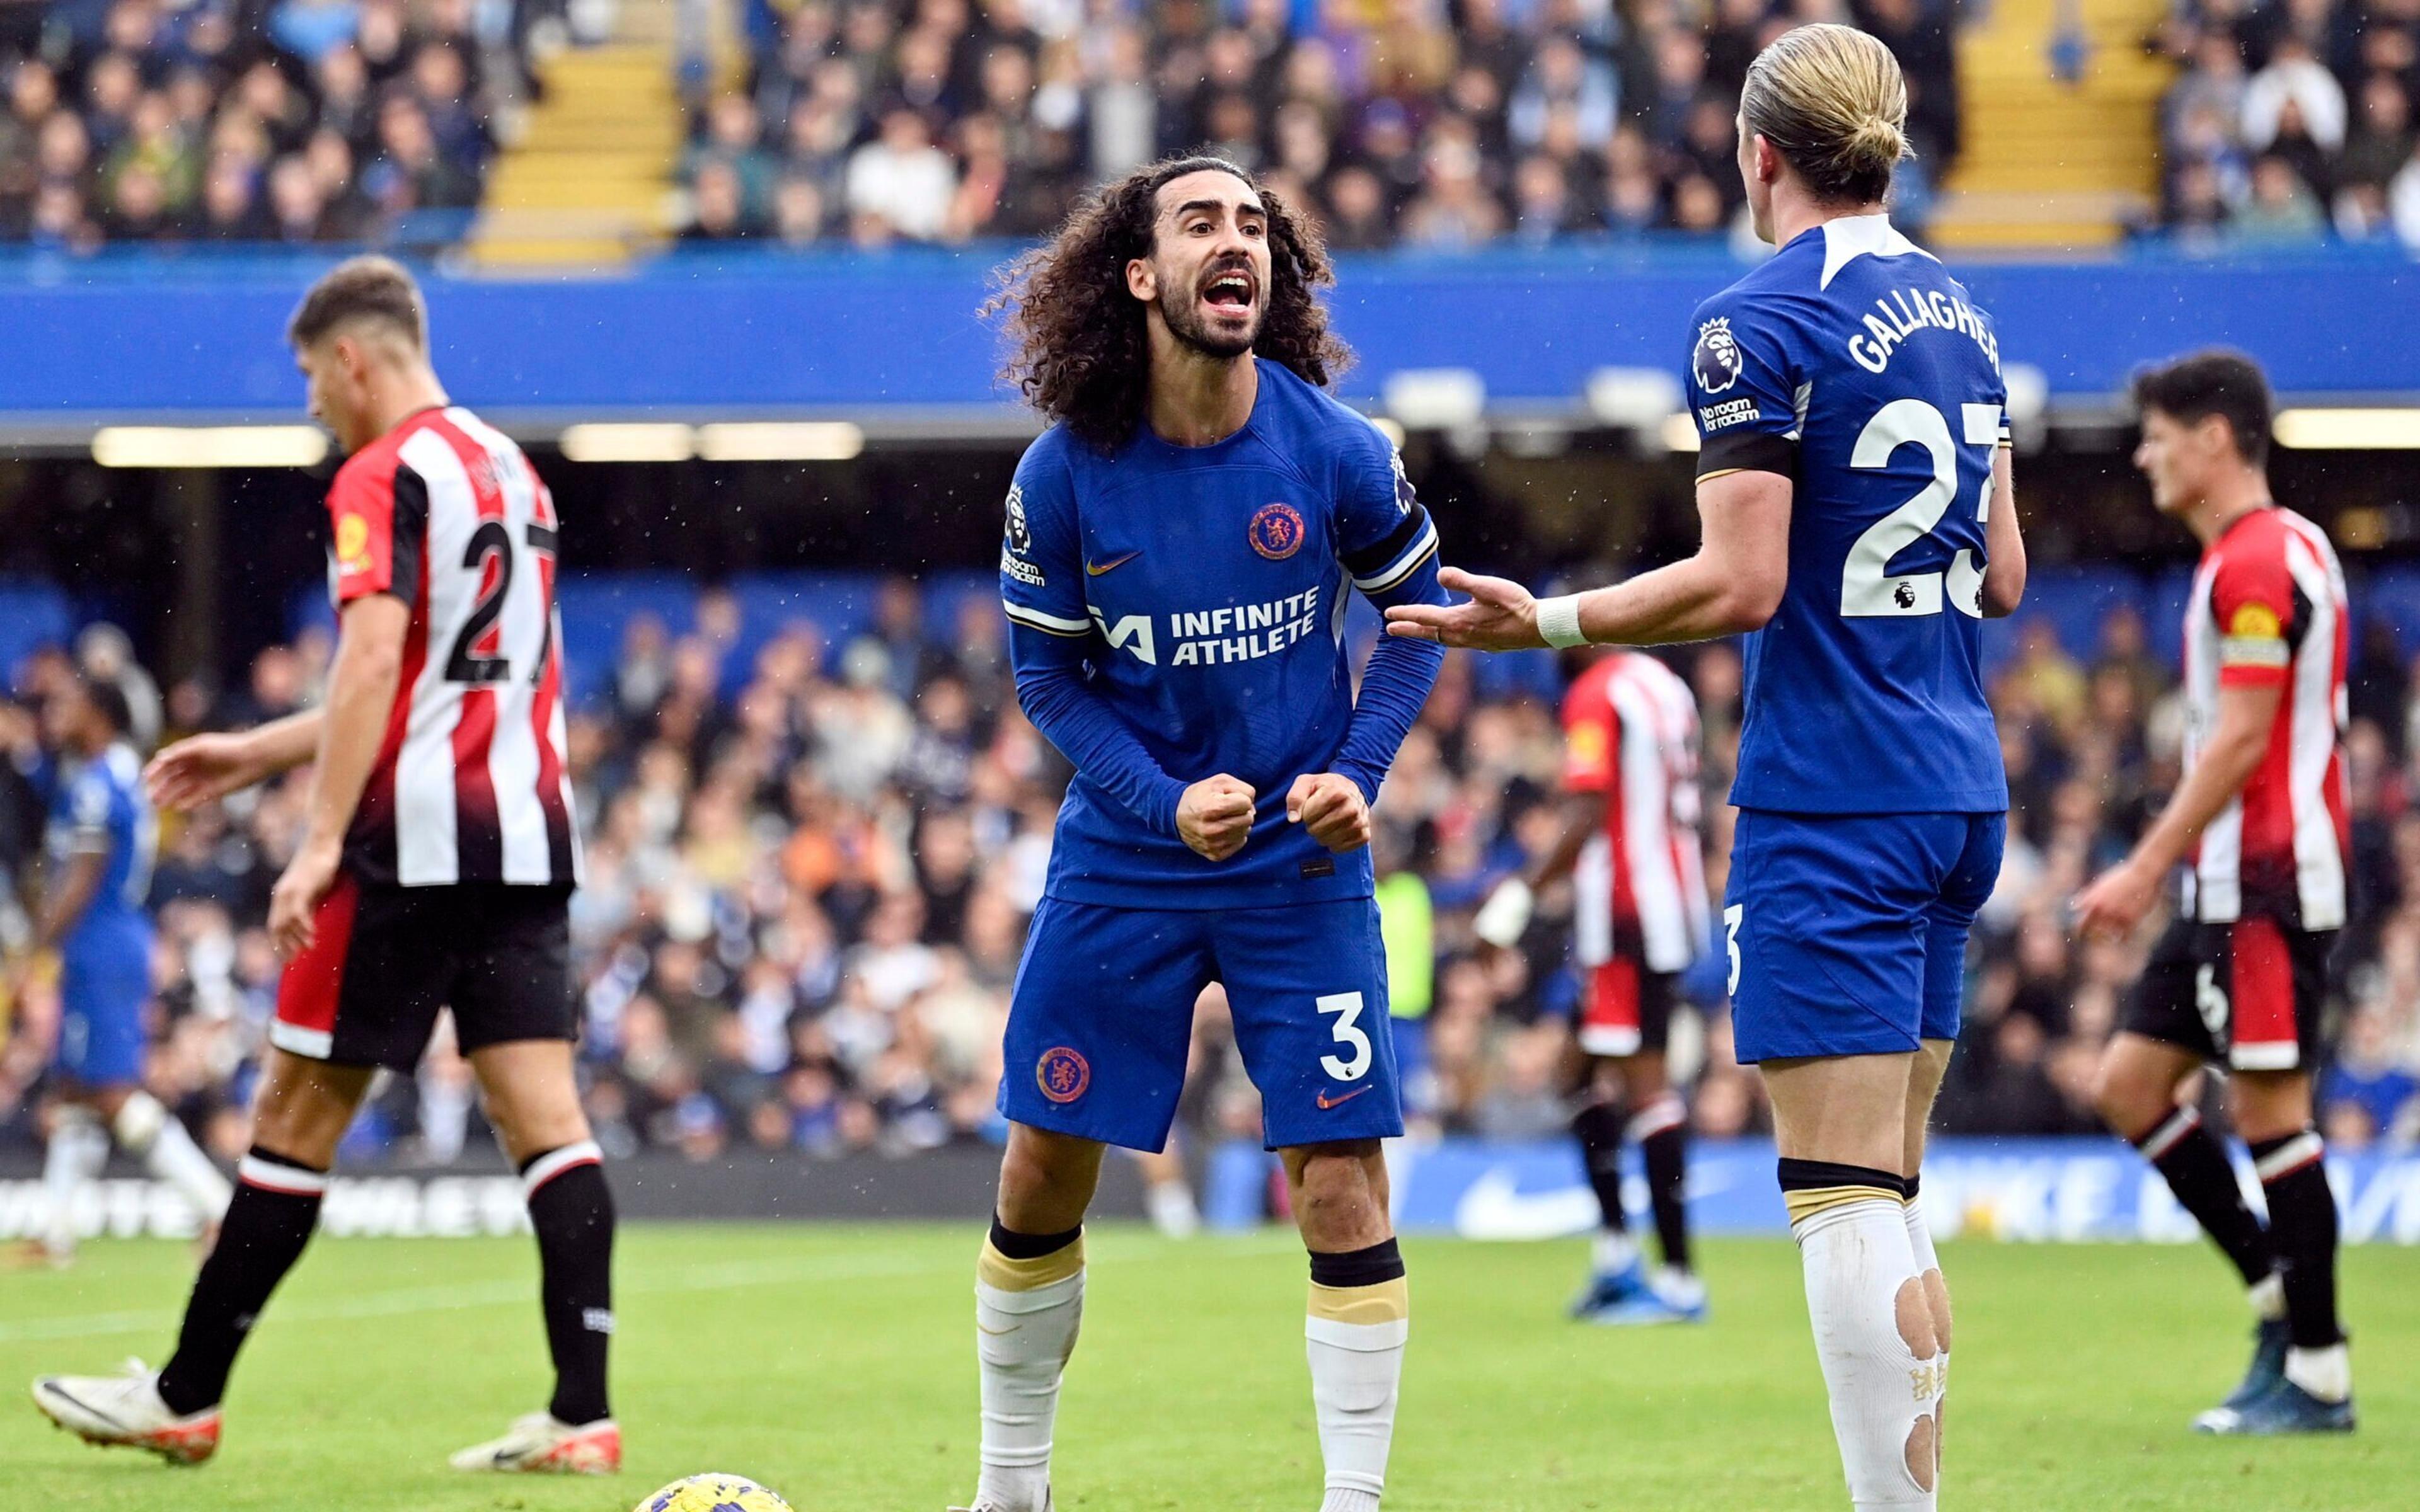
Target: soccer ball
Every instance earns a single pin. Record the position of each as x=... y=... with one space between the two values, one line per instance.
x=713 y=1492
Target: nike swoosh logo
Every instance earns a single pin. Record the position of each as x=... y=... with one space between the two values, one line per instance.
x=1092 y=571
x=88 y=1406
x=1327 y=1102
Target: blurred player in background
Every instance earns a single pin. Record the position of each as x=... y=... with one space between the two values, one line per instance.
x=2240 y=978
x=97 y=854
x=435 y=873
x=1631 y=845
x=1860 y=520
x=1178 y=547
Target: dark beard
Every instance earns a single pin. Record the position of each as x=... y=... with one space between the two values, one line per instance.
x=1185 y=322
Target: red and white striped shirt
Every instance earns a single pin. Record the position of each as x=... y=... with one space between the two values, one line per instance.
x=1630 y=732
x=2267 y=609
x=470 y=785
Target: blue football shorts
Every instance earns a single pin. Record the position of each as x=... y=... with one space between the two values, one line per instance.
x=102 y=998
x=1102 y=1018
x=1847 y=933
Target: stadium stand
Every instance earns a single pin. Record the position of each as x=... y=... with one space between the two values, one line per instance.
x=2290 y=123
x=1418 y=122
x=815 y=840
x=816 y=825
x=1429 y=124
x=303 y=121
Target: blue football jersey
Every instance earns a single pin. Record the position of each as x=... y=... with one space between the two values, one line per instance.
x=1190 y=601
x=1852 y=364
x=99 y=806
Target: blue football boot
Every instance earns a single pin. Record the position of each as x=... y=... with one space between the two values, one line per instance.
x=2269 y=1343
x=2284 y=1409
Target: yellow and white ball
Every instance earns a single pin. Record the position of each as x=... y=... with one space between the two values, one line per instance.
x=714 y=1492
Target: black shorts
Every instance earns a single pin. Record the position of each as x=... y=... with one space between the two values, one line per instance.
x=2252 y=994
x=384 y=960
x=1625 y=1008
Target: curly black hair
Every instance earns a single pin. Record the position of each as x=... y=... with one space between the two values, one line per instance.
x=1077 y=348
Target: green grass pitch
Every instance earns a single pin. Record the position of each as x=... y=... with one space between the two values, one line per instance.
x=835 y=1366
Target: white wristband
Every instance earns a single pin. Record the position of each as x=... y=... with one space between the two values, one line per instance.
x=1558 y=622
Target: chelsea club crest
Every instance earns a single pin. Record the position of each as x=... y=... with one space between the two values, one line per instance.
x=1277 y=532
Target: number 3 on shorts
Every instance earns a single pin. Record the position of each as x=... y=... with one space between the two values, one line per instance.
x=1348 y=1006
x=1732 y=918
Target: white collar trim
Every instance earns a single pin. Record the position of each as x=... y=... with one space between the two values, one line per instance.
x=1852 y=236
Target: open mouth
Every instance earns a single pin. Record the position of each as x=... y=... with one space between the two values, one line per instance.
x=1229 y=291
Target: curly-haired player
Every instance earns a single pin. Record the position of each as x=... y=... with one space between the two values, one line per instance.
x=1178 y=548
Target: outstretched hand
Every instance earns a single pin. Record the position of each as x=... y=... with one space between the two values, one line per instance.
x=1500 y=616
x=193 y=771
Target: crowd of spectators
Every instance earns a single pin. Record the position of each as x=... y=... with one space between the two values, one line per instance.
x=1440 y=124
x=259 y=121
x=2290 y=121
x=810 y=869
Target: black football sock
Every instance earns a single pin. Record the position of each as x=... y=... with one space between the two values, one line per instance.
x=1662 y=1134
x=1599 y=1131
x=2194 y=1165
x=269 y=1221
x=572 y=1211
x=2303 y=1227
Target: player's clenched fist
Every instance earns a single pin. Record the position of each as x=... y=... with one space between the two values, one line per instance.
x=1214 y=816
x=1333 y=809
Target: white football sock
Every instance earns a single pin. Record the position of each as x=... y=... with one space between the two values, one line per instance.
x=1613 y=1252
x=1681 y=1289
x=1355 y=1339
x=1861 y=1280
x=146 y=1130
x=2326 y=1374
x=1172 y=1210
x=1928 y=1270
x=77 y=1151
x=1027 y=1314
x=2268 y=1298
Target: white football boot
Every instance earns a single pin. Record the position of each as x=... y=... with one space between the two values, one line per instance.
x=537 y=1444
x=124 y=1411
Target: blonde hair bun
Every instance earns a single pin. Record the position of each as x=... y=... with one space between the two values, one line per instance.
x=1832 y=100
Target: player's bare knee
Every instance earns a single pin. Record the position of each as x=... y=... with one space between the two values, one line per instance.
x=1045 y=1180
x=1923 y=1454
x=1339 y=1196
x=2127 y=1100
x=304 y=1107
x=2271 y=1104
x=1913 y=1315
x=531 y=1131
